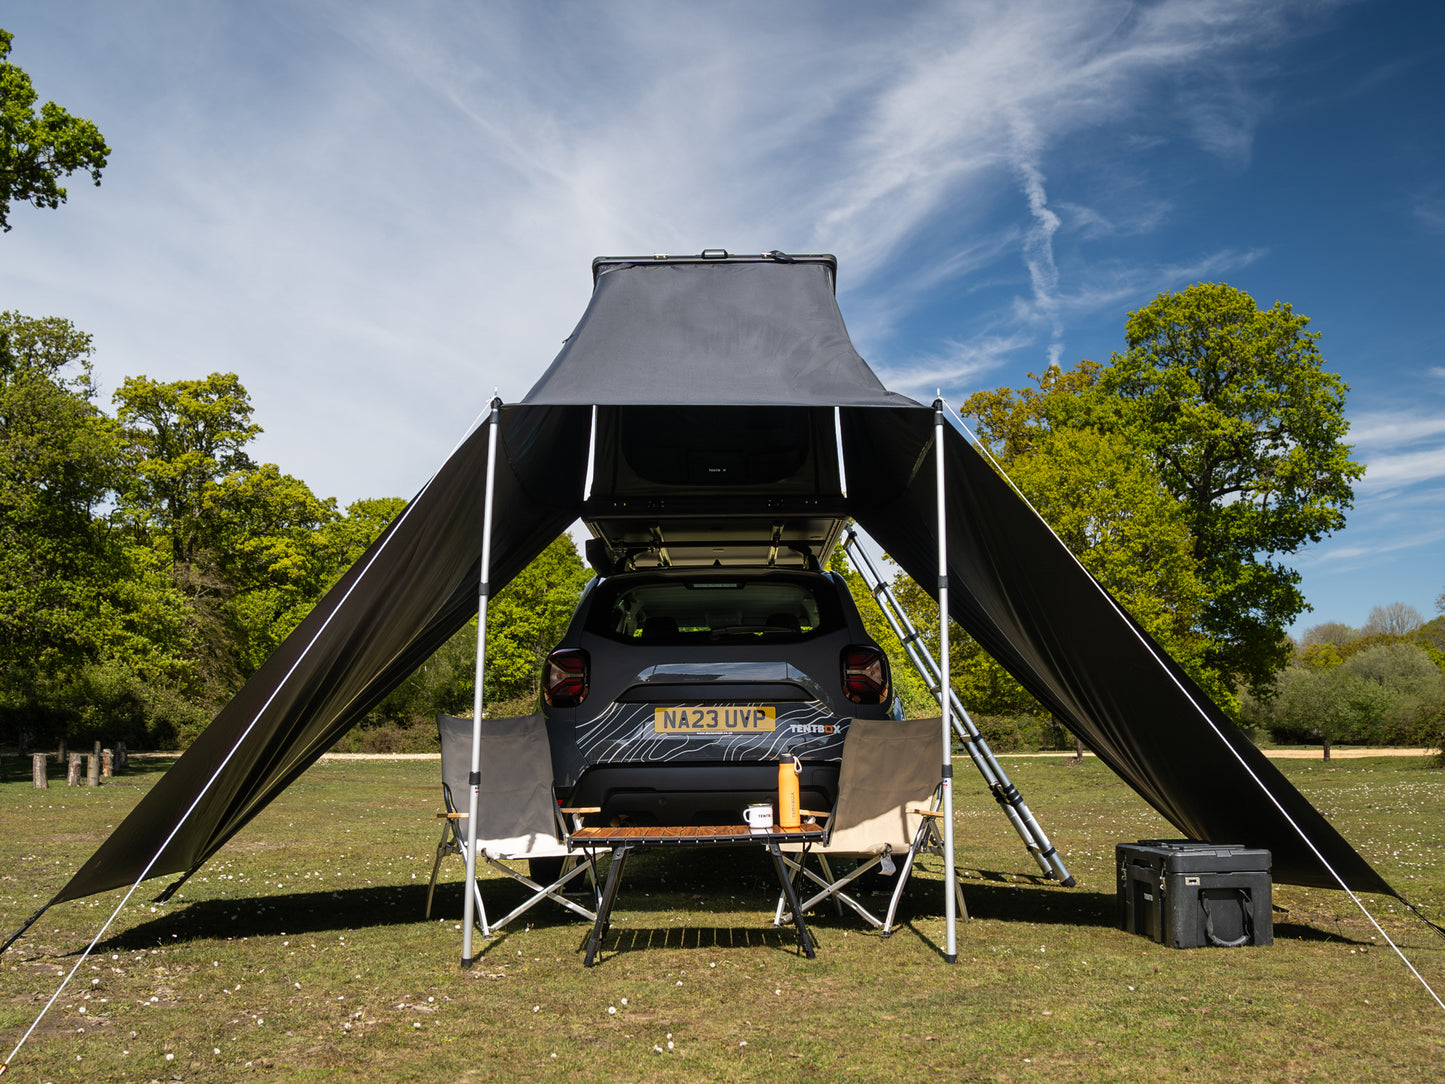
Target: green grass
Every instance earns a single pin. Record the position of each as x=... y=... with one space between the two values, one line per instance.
x=300 y=953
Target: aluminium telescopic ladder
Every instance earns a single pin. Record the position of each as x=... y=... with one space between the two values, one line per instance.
x=1004 y=792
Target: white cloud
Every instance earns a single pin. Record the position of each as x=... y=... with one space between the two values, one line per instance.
x=1391 y=429
x=1408 y=468
x=957 y=364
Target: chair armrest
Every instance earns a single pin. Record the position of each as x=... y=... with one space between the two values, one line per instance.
x=452 y=816
x=936 y=813
x=581 y=809
x=813 y=813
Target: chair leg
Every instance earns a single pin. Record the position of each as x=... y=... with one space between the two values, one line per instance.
x=442 y=850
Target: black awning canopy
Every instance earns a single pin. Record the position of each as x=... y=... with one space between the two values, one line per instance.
x=751 y=357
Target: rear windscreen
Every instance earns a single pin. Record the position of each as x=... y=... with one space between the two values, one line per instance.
x=711 y=609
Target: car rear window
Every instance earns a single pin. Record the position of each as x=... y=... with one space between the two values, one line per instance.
x=716 y=610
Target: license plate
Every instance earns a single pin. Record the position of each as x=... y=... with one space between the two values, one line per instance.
x=712 y=720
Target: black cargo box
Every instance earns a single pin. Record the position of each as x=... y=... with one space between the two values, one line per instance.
x=1190 y=894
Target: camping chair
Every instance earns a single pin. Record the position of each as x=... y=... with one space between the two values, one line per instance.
x=517 y=817
x=889 y=791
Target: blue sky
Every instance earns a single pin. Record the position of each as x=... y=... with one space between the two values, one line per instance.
x=376 y=213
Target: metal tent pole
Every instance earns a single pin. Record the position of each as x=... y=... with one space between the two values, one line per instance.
x=950 y=905
x=484 y=590
x=994 y=776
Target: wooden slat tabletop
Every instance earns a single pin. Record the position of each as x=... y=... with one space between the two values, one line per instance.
x=661 y=835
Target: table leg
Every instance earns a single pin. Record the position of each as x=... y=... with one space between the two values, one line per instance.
x=604 y=908
x=792 y=894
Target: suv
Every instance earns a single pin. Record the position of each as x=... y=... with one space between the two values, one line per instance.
x=676 y=692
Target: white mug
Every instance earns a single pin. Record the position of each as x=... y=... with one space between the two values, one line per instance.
x=759 y=817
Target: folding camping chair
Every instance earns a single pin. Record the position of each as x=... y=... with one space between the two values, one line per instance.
x=517 y=817
x=889 y=790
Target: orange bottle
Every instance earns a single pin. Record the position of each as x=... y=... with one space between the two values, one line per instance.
x=788 y=812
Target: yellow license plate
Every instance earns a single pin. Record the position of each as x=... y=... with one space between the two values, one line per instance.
x=710 y=720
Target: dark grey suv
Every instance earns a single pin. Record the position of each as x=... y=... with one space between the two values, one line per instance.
x=676 y=692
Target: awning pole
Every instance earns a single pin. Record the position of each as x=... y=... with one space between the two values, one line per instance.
x=950 y=907
x=475 y=779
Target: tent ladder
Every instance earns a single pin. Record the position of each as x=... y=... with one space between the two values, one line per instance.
x=1004 y=792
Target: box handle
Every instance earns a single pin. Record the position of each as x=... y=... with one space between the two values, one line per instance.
x=1241 y=897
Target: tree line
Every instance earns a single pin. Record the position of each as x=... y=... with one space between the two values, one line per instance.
x=149 y=565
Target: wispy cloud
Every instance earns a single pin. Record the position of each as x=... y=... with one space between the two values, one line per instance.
x=958 y=363
x=1393 y=429
x=1429 y=211
x=1408 y=468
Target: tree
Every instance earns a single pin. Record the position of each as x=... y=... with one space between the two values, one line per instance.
x=1246 y=428
x=1329 y=632
x=1109 y=507
x=1389 y=693
x=37 y=150
x=184 y=437
x=271 y=555
x=1396 y=619
x=59 y=459
x=88 y=623
x=1010 y=422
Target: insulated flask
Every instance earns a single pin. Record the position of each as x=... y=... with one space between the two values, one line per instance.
x=788 y=772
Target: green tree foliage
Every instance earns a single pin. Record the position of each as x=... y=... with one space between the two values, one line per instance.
x=37 y=150
x=525 y=620
x=1389 y=694
x=527 y=617
x=246 y=543
x=1246 y=428
x=184 y=438
x=1010 y=422
x=74 y=595
x=1109 y=507
x=1060 y=444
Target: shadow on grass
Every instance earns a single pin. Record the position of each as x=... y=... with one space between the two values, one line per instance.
x=293 y=913
x=695 y=890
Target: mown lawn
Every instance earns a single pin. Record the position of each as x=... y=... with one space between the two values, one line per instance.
x=301 y=953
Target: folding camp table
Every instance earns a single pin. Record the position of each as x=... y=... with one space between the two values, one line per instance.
x=622 y=841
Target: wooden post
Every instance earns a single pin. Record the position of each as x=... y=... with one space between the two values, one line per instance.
x=60 y=751
x=122 y=761
x=72 y=770
x=37 y=769
x=107 y=764
x=92 y=770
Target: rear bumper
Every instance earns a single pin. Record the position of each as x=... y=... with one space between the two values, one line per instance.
x=693 y=793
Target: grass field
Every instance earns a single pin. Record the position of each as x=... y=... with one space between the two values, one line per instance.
x=300 y=953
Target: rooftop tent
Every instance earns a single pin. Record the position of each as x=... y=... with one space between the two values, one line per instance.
x=750 y=359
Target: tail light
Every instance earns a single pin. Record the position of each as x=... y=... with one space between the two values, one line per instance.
x=564 y=677
x=865 y=674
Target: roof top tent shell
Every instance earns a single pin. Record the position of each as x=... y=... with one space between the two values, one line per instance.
x=716 y=437
x=727 y=333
